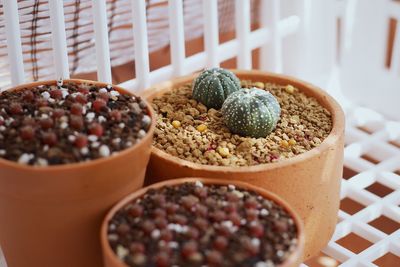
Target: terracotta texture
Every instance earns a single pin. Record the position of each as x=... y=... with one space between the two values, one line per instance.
x=50 y=216
x=111 y=260
x=310 y=182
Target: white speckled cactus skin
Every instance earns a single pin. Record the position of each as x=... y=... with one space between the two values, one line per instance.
x=251 y=112
x=213 y=86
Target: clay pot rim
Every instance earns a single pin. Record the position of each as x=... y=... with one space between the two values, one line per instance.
x=330 y=103
x=92 y=162
x=294 y=256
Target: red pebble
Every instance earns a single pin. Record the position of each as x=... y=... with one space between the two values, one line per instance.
x=220 y=243
x=80 y=98
x=201 y=192
x=250 y=247
x=41 y=102
x=76 y=109
x=15 y=108
x=136 y=210
x=202 y=210
x=166 y=235
x=159 y=213
x=57 y=113
x=96 y=129
x=29 y=121
x=46 y=123
x=256 y=229
x=189 y=201
x=251 y=203
x=231 y=207
x=81 y=141
x=105 y=96
x=231 y=197
x=251 y=214
x=99 y=104
x=84 y=91
x=136 y=247
x=201 y=223
x=171 y=208
x=56 y=94
x=116 y=115
x=235 y=218
x=214 y=258
x=49 y=138
x=162 y=259
x=123 y=229
x=28 y=96
x=193 y=233
x=76 y=122
x=189 y=248
x=148 y=226
x=159 y=200
x=27 y=132
x=180 y=219
x=218 y=215
x=160 y=222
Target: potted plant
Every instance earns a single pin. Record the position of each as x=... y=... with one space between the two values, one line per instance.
x=68 y=151
x=299 y=157
x=197 y=222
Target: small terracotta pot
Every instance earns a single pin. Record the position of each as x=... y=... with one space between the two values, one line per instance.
x=50 y=216
x=111 y=260
x=310 y=182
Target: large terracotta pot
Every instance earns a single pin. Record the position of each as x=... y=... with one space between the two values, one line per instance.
x=51 y=216
x=310 y=182
x=111 y=260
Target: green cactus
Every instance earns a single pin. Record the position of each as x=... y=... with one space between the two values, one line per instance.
x=213 y=86
x=251 y=112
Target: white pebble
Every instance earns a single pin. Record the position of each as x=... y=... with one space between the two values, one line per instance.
x=45 y=95
x=264 y=212
x=114 y=93
x=173 y=244
x=2 y=128
x=64 y=93
x=104 y=151
x=92 y=138
x=122 y=252
x=198 y=184
x=89 y=105
x=60 y=82
x=280 y=253
x=255 y=242
x=2 y=152
x=103 y=90
x=45 y=148
x=141 y=133
x=146 y=120
x=102 y=119
x=84 y=150
x=71 y=138
x=231 y=187
x=25 y=158
x=95 y=144
x=121 y=125
x=117 y=140
x=42 y=162
x=90 y=116
x=63 y=125
x=109 y=86
x=155 y=234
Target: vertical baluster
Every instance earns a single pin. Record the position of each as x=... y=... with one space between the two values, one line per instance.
x=101 y=41
x=395 y=65
x=271 y=53
x=177 y=39
x=141 y=43
x=14 y=48
x=211 y=38
x=242 y=19
x=59 y=38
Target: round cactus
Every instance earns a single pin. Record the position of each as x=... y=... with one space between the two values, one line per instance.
x=213 y=86
x=251 y=112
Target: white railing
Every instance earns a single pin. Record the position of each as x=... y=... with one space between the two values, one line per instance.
x=267 y=37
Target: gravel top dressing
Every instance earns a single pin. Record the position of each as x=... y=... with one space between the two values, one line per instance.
x=187 y=129
x=202 y=225
x=68 y=123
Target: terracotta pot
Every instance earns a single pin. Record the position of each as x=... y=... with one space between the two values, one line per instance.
x=310 y=182
x=111 y=260
x=50 y=216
